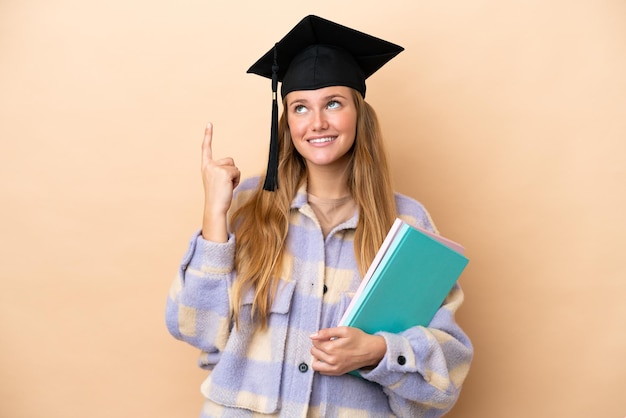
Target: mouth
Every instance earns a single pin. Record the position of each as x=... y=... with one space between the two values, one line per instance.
x=321 y=140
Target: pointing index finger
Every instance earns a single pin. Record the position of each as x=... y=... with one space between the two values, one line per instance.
x=207 y=152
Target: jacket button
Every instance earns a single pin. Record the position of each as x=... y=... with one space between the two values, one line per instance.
x=325 y=288
x=401 y=360
x=303 y=367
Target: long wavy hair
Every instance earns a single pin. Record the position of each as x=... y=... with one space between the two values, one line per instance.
x=261 y=224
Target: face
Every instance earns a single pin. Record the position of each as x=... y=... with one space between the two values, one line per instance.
x=322 y=124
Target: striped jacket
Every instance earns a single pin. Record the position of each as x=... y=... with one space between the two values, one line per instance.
x=267 y=373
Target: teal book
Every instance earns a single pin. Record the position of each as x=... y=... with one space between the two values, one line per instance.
x=410 y=277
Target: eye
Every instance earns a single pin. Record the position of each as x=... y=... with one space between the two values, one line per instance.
x=333 y=104
x=299 y=109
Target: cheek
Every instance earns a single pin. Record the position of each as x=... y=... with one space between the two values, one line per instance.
x=294 y=132
x=348 y=124
x=295 y=127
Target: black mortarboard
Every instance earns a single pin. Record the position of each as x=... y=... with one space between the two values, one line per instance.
x=318 y=53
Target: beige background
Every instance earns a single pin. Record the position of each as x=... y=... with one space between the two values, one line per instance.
x=506 y=118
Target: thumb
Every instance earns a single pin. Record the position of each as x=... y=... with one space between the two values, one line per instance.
x=326 y=334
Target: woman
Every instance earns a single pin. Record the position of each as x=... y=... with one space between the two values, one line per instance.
x=265 y=282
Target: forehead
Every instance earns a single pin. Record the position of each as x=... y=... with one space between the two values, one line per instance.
x=319 y=94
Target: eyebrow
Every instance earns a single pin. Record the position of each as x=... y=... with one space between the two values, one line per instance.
x=323 y=99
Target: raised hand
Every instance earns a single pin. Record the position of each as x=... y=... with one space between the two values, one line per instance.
x=219 y=178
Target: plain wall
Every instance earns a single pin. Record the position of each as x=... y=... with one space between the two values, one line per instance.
x=506 y=119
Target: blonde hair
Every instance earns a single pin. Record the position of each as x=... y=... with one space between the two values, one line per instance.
x=261 y=224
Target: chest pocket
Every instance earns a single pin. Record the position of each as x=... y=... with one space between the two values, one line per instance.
x=249 y=370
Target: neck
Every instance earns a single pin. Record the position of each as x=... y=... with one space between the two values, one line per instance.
x=327 y=182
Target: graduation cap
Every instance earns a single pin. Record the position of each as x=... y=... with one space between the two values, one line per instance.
x=318 y=53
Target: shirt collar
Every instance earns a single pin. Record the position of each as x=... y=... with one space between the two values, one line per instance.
x=300 y=201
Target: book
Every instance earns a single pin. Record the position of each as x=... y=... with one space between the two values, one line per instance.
x=407 y=282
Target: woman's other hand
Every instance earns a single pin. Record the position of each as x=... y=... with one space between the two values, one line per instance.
x=342 y=349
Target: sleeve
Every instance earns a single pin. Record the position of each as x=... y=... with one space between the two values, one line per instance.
x=198 y=309
x=198 y=305
x=424 y=367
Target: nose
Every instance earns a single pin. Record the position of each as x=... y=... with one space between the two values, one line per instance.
x=319 y=122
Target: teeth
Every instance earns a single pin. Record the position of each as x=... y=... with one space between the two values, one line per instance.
x=321 y=140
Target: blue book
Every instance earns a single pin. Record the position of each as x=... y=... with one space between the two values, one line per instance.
x=410 y=277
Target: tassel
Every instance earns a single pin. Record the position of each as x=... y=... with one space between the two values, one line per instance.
x=271 y=177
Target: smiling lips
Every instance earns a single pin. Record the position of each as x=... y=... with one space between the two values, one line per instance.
x=321 y=140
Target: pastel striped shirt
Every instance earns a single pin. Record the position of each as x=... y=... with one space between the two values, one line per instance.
x=268 y=373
